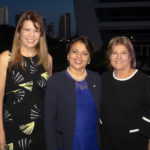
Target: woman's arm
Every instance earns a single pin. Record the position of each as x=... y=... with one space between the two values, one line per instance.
x=50 y=115
x=50 y=62
x=145 y=112
x=3 y=70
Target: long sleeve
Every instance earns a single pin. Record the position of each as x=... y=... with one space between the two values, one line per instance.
x=50 y=115
x=145 y=113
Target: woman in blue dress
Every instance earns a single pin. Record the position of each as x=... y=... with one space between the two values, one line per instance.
x=72 y=102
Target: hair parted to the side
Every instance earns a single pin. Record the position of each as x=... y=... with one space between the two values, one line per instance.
x=41 y=47
x=85 y=40
x=121 y=40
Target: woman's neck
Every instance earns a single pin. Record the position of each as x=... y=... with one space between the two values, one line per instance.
x=28 y=52
x=77 y=74
x=123 y=73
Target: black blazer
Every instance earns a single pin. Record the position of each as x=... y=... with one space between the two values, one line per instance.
x=60 y=108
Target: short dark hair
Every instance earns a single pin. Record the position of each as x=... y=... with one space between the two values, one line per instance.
x=85 y=40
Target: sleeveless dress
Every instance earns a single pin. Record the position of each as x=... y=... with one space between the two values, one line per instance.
x=85 y=133
x=23 y=106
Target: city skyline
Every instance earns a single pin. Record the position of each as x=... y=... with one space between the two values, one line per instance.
x=51 y=10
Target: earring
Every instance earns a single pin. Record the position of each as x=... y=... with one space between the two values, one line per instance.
x=89 y=62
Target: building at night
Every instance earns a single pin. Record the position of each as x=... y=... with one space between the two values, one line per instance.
x=62 y=27
x=65 y=27
x=103 y=19
x=3 y=15
x=51 y=30
x=68 y=26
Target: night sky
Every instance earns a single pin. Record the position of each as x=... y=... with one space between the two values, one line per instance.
x=50 y=9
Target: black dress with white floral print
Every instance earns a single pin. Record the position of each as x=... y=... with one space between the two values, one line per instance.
x=23 y=106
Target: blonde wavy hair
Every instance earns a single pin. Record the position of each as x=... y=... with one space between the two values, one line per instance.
x=41 y=47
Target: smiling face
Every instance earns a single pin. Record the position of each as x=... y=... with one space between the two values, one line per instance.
x=78 y=56
x=120 y=58
x=29 y=35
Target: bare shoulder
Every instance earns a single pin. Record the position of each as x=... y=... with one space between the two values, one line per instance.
x=50 y=64
x=4 y=56
x=3 y=69
x=49 y=58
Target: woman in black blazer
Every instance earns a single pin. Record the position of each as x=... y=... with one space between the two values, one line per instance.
x=72 y=102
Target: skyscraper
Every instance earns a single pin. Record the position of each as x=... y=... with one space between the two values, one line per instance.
x=17 y=16
x=65 y=27
x=3 y=15
x=62 y=27
x=68 y=26
x=51 y=30
x=86 y=21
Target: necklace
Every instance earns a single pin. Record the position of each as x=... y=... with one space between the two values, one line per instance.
x=81 y=78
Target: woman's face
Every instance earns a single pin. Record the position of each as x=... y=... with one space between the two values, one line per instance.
x=29 y=35
x=120 y=58
x=78 y=56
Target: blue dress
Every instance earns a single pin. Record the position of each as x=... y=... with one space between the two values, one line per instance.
x=85 y=134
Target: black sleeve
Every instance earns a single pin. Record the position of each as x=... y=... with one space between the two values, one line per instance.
x=145 y=112
x=50 y=114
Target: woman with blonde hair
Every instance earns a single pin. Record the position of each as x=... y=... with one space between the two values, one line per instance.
x=125 y=100
x=24 y=73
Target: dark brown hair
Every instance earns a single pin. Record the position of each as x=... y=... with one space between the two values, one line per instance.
x=86 y=41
